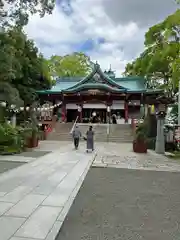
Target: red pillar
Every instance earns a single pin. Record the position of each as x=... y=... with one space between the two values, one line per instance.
x=126 y=111
x=63 y=113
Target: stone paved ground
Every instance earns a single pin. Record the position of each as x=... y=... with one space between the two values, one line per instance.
x=116 y=204
x=35 y=198
x=9 y=162
x=121 y=156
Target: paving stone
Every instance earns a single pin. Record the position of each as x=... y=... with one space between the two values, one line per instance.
x=65 y=210
x=26 y=206
x=5 y=207
x=2 y=194
x=57 y=176
x=9 y=225
x=16 y=195
x=19 y=238
x=44 y=188
x=39 y=223
x=56 y=200
x=54 y=231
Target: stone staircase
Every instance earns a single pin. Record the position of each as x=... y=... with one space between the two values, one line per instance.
x=121 y=133
x=100 y=131
x=61 y=132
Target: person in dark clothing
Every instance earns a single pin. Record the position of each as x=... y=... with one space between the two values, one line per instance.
x=76 y=136
x=90 y=139
x=114 y=121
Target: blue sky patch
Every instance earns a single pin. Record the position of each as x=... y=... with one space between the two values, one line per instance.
x=65 y=6
x=85 y=46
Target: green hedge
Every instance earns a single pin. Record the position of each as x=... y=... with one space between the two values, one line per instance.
x=12 y=140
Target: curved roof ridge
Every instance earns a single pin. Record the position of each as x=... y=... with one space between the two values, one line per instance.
x=96 y=69
x=93 y=86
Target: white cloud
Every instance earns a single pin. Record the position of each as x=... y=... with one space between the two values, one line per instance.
x=55 y=34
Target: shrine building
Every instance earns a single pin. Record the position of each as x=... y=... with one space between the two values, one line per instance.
x=100 y=93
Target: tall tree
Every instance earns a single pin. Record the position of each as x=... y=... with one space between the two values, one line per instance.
x=22 y=68
x=74 y=65
x=18 y=11
x=159 y=63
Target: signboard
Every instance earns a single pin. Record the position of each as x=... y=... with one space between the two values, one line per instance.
x=93 y=91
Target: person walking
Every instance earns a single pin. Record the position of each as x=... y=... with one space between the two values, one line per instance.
x=76 y=136
x=90 y=139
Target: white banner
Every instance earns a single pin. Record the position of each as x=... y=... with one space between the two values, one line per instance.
x=94 y=106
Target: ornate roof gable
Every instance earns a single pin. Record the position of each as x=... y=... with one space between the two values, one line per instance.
x=97 y=77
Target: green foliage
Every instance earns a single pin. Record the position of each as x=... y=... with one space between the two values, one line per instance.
x=160 y=61
x=74 y=65
x=18 y=11
x=10 y=138
x=23 y=70
x=141 y=132
x=174 y=113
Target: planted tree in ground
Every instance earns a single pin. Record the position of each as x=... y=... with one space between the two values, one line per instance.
x=22 y=68
x=159 y=63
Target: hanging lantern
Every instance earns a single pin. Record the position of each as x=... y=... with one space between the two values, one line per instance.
x=108 y=109
x=3 y=104
x=79 y=108
x=142 y=110
x=13 y=106
x=152 y=109
x=27 y=108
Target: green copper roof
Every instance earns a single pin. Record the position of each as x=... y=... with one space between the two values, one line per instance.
x=97 y=79
x=87 y=86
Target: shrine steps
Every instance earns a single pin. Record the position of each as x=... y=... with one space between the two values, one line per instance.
x=61 y=132
x=121 y=133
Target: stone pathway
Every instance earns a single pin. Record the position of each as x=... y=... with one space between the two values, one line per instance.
x=44 y=148
x=122 y=156
x=35 y=198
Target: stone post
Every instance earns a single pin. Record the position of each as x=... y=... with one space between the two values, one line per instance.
x=160 y=141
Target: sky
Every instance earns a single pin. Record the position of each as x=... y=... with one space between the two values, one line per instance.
x=111 y=32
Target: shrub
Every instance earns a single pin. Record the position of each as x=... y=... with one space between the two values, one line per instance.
x=141 y=132
x=10 y=139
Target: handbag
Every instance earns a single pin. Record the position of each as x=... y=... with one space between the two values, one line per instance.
x=85 y=139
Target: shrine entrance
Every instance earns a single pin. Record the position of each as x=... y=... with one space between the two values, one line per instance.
x=94 y=115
